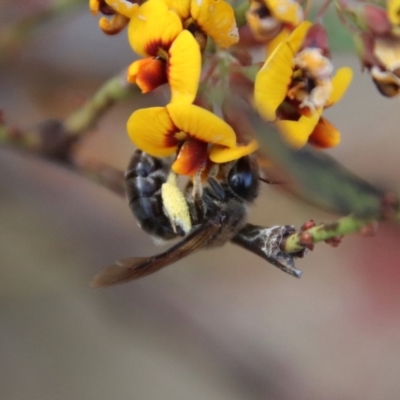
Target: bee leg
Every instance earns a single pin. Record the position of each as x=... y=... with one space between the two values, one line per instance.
x=196 y=202
x=218 y=190
x=265 y=242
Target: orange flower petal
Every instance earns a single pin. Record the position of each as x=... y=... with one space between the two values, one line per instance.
x=152 y=27
x=324 y=135
x=184 y=68
x=192 y=156
x=221 y=154
x=152 y=131
x=201 y=124
x=288 y=11
x=148 y=73
x=296 y=133
x=217 y=19
x=113 y=25
x=340 y=83
x=123 y=7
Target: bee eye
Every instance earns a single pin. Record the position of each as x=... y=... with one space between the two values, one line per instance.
x=243 y=178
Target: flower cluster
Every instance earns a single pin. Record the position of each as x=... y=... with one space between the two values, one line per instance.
x=272 y=21
x=376 y=33
x=295 y=85
x=192 y=47
x=170 y=37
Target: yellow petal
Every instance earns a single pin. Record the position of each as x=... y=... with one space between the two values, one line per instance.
x=324 y=135
x=94 y=6
x=282 y=36
x=297 y=37
x=221 y=154
x=123 y=7
x=296 y=133
x=201 y=124
x=181 y=7
x=393 y=7
x=272 y=81
x=113 y=25
x=184 y=68
x=274 y=78
x=288 y=11
x=152 y=27
x=152 y=131
x=217 y=19
x=340 y=83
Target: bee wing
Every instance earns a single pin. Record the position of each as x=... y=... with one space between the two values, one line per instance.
x=128 y=269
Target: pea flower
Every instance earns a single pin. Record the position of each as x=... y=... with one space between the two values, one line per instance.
x=294 y=86
x=377 y=39
x=214 y=18
x=272 y=21
x=171 y=54
x=196 y=135
x=120 y=12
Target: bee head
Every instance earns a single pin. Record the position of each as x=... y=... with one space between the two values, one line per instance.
x=243 y=178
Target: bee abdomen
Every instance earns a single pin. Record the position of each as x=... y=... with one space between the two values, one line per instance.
x=144 y=178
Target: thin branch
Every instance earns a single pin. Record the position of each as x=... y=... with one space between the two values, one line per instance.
x=77 y=124
x=115 y=89
x=322 y=10
x=324 y=232
x=56 y=141
x=103 y=174
x=240 y=13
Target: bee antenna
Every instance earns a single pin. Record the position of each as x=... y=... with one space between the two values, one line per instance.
x=265 y=180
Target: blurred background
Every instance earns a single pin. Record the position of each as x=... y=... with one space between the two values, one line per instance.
x=222 y=324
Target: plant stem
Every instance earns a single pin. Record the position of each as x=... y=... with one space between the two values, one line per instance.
x=240 y=13
x=343 y=226
x=115 y=89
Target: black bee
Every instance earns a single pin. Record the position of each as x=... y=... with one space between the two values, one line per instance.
x=206 y=217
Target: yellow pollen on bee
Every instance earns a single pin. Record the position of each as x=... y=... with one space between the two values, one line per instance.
x=175 y=204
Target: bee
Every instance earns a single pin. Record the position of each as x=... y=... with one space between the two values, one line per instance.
x=205 y=216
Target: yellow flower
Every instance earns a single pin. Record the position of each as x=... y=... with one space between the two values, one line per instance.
x=295 y=85
x=386 y=71
x=173 y=55
x=393 y=13
x=196 y=135
x=272 y=21
x=119 y=10
x=214 y=18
